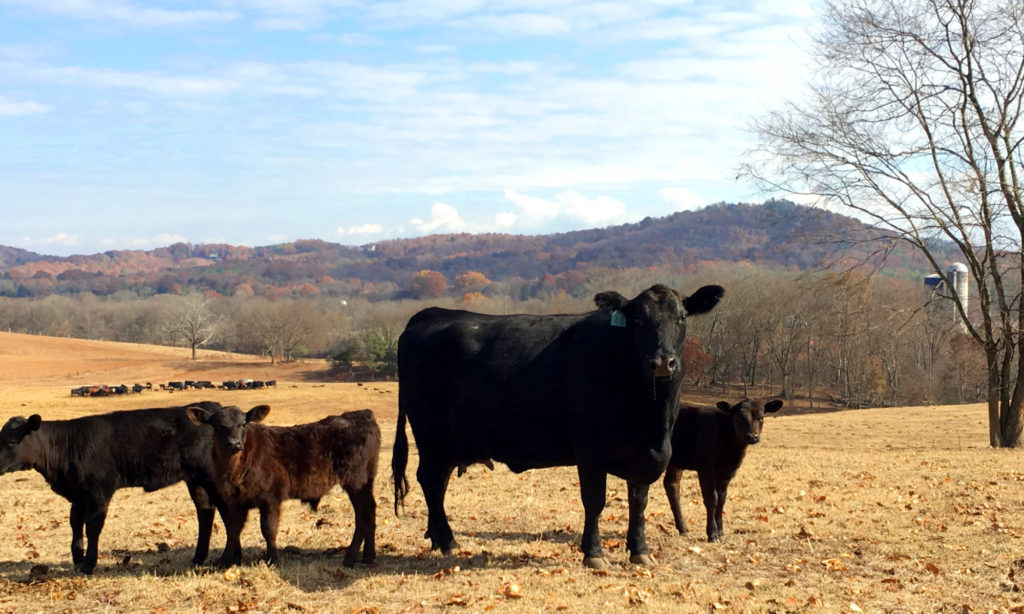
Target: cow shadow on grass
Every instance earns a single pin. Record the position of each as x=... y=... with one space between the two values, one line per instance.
x=551 y=537
x=124 y=563
x=307 y=569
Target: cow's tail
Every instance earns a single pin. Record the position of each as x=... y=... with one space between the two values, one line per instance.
x=399 y=459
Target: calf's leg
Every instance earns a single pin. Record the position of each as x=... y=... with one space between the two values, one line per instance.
x=270 y=516
x=234 y=521
x=95 y=517
x=709 y=492
x=636 y=537
x=365 y=507
x=671 y=482
x=204 y=515
x=592 y=491
x=720 y=528
x=77 y=519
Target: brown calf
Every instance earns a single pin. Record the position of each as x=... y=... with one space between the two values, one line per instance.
x=259 y=466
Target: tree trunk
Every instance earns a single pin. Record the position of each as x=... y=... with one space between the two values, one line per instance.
x=1010 y=425
x=994 y=430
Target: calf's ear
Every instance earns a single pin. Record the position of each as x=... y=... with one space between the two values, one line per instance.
x=197 y=415
x=773 y=406
x=610 y=301
x=257 y=414
x=33 y=422
x=723 y=406
x=703 y=300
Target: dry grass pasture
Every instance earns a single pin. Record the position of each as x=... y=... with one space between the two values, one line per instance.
x=888 y=510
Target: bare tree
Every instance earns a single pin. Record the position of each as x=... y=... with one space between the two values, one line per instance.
x=191 y=322
x=913 y=124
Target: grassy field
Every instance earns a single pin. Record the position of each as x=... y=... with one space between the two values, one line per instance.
x=894 y=510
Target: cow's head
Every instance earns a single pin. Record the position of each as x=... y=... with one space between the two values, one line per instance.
x=748 y=418
x=228 y=424
x=656 y=321
x=12 y=437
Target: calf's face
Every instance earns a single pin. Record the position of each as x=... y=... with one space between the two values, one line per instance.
x=228 y=424
x=12 y=437
x=748 y=418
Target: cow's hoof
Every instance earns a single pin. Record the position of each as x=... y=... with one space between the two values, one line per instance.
x=642 y=559
x=595 y=562
x=449 y=548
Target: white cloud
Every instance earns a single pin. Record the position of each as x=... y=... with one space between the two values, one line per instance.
x=356 y=39
x=516 y=24
x=600 y=211
x=61 y=238
x=443 y=218
x=160 y=240
x=682 y=199
x=365 y=229
x=152 y=82
x=533 y=210
x=435 y=49
x=10 y=108
x=505 y=220
x=125 y=12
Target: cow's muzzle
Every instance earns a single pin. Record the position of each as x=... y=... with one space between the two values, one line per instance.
x=752 y=438
x=665 y=367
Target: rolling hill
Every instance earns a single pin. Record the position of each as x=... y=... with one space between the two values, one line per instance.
x=774 y=234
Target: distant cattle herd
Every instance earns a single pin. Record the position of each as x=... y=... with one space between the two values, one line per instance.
x=600 y=391
x=106 y=391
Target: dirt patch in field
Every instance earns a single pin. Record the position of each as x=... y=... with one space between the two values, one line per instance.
x=32 y=361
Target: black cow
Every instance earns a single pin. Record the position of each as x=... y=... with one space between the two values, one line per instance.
x=598 y=390
x=712 y=440
x=86 y=459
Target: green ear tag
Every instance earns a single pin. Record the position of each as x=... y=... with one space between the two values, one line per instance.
x=618 y=319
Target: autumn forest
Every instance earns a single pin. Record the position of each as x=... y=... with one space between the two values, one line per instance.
x=819 y=308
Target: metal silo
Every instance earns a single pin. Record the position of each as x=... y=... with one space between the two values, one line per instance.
x=955 y=285
x=957 y=276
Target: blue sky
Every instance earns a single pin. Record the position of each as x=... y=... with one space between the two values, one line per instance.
x=130 y=125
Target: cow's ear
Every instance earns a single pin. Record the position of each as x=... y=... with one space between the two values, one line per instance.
x=773 y=406
x=198 y=415
x=703 y=300
x=611 y=301
x=257 y=414
x=723 y=406
x=33 y=423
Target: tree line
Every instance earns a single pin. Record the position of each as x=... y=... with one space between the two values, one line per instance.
x=847 y=339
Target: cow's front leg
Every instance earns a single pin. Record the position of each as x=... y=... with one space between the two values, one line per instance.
x=671 y=482
x=709 y=491
x=722 y=492
x=234 y=521
x=95 y=517
x=433 y=479
x=270 y=514
x=77 y=518
x=636 y=537
x=592 y=490
x=204 y=516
